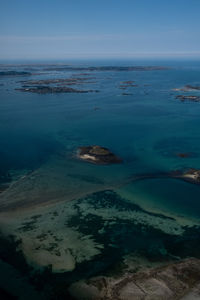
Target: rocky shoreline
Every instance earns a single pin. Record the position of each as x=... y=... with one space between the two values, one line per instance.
x=174 y=281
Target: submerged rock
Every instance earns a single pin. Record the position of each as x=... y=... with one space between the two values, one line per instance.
x=183 y=155
x=14 y=73
x=97 y=154
x=127 y=94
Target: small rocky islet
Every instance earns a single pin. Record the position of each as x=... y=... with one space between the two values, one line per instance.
x=98 y=155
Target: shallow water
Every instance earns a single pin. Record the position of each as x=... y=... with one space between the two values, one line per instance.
x=148 y=129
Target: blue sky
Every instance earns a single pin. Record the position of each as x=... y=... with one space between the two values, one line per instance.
x=58 y=29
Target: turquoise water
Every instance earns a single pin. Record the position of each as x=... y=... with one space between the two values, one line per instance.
x=147 y=129
x=40 y=134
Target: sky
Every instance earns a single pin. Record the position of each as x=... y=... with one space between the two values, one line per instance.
x=59 y=29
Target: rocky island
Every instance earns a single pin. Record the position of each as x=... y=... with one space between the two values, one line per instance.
x=98 y=155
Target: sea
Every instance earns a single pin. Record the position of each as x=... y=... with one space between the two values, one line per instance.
x=63 y=219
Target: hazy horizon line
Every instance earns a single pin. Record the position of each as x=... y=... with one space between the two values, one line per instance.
x=153 y=55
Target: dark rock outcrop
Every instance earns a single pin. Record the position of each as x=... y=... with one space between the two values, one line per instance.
x=97 y=154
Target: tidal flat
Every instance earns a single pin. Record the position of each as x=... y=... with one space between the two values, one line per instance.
x=65 y=221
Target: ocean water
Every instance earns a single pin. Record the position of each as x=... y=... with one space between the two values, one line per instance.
x=67 y=217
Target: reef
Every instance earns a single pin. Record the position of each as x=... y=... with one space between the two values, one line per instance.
x=53 y=90
x=97 y=154
x=188 y=98
x=174 y=281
